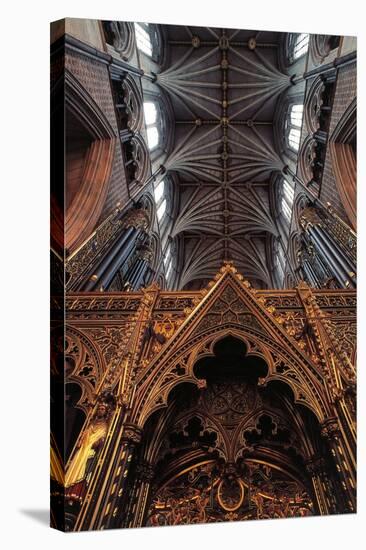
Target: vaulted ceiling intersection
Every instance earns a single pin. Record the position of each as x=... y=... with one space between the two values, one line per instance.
x=224 y=86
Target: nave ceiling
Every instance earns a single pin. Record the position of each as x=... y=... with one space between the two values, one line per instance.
x=224 y=87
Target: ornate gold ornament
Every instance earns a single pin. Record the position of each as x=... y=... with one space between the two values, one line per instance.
x=294 y=333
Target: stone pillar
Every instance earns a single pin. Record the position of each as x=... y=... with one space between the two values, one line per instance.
x=331 y=432
x=323 y=490
x=94 y=503
x=116 y=511
x=139 y=502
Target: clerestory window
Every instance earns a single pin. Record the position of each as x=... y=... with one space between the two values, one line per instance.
x=143 y=39
x=298 y=46
x=294 y=121
x=287 y=200
x=152 y=124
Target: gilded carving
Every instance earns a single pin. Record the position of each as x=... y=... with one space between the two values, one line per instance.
x=157 y=340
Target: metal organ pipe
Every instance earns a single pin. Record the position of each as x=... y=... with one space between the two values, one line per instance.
x=96 y=280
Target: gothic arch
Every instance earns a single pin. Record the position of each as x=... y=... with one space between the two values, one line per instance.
x=342 y=146
x=141 y=163
x=193 y=432
x=160 y=98
x=279 y=364
x=157 y=42
x=293 y=249
x=148 y=204
x=121 y=36
x=92 y=158
x=313 y=104
x=308 y=158
x=320 y=46
x=161 y=281
x=274 y=193
x=178 y=368
x=133 y=101
x=156 y=251
x=78 y=367
x=173 y=194
x=84 y=365
x=281 y=121
x=300 y=203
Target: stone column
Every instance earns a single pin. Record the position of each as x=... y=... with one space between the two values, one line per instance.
x=115 y=515
x=331 y=432
x=322 y=486
x=93 y=507
x=138 y=508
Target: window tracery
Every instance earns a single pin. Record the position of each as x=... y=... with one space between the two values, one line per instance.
x=280 y=262
x=152 y=124
x=143 y=39
x=160 y=201
x=294 y=122
x=149 y=41
x=168 y=261
x=322 y=44
x=298 y=46
x=161 y=210
x=119 y=34
x=159 y=191
x=287 y=200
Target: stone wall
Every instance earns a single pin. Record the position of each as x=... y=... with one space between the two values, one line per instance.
x=94 y=77
x=346 y=90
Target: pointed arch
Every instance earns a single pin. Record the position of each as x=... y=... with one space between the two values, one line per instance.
x=245 y=318
x=89 y=162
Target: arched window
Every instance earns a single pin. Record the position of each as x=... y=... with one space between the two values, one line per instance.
x=143 y=38
x=281 y=262
x=168 y=262
x=160 y=200
x=151 y=121
x=294 y=121
x=287 y=200
x=161 y=210
x=159 y=191
x=298 y=46
x=169 y=269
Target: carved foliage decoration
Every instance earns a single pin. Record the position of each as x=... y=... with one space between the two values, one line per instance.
x=139 y=154
x=313 y=104
x=103 y=238
x=121 y=36
x=308 y=156
x=112 y=342
x=229 y=308
x=208 y=493
x=162 y=375
x=133 y=102
x=346 y=333
x=92 y=249
x=321 y=45
x=83 y=365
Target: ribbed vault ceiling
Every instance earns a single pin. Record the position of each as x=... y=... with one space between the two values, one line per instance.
x=224 y=87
